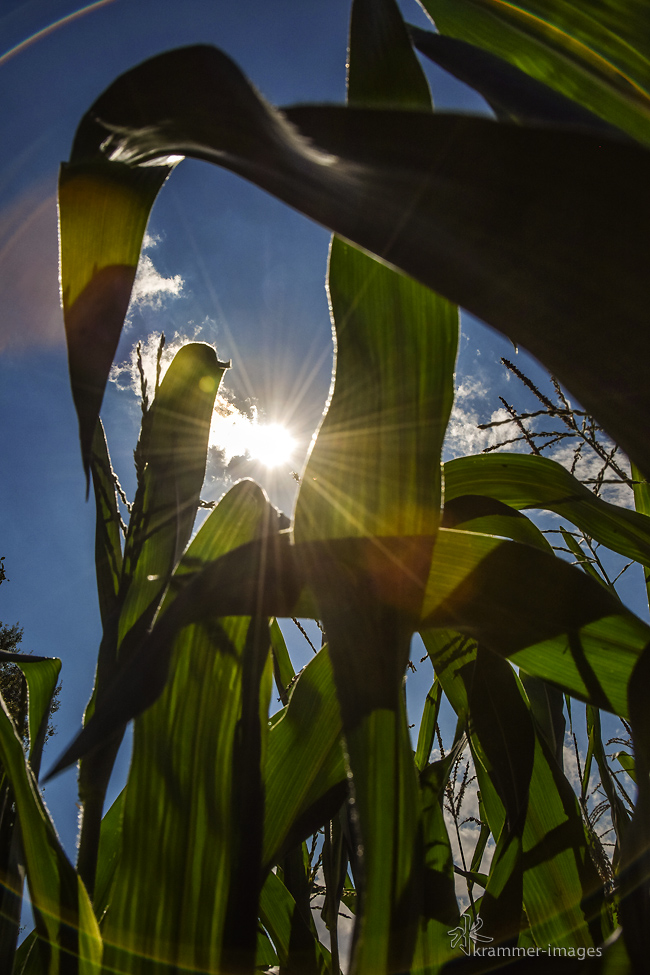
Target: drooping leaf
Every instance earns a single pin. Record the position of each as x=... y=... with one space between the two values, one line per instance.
x=626 y=761
x=598 y=55
x=558 y=218
x=103 y=213
x=69 y=938
x=510 y=92
x=585 y=641
x=487 y=516
x=42 y=677
x=526 y=481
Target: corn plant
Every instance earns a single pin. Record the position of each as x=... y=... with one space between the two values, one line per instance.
x=537 y=222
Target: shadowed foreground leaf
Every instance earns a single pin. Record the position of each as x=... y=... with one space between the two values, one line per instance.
x=560 y=219
x=596 y=54
x=526 y=481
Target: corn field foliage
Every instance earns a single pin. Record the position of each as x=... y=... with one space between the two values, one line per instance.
x=234 y=826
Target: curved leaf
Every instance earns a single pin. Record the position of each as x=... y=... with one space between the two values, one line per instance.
x=42 y=677
x=103 y=213
x=527 y=481
x=545 y=615
x=560 y=219
x=597 y=54
x=509 y=91
x=67 y=929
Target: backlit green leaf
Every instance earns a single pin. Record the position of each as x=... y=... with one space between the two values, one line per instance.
x=172 y=453
x=527 y=481
x=69 y=936
x=183 y=810
x=597 y=54
x=103 y=213
x=584 y=641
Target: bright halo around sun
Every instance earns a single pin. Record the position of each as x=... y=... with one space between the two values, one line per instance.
x=271 y=444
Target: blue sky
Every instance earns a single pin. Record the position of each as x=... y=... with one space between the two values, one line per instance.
x=227 y=264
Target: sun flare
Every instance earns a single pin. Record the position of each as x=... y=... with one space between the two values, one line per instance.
x=271 y=444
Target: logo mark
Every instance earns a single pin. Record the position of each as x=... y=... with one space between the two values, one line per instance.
x=466 y=936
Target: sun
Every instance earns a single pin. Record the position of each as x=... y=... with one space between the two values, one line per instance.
x=271 y=444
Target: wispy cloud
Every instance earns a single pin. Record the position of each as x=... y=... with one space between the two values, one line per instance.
x=471 y=409
x=150 y=287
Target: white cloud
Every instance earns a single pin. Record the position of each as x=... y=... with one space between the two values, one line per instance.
x=150 y=240
x=150 y=288
x=465 y=437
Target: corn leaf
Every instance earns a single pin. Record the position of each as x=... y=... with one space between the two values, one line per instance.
x=110 y=844
x=108 y=534
x=527 y=481
x=103 y=215
x=172 y=455
x=184 y=815
x=439 y=910
x=542 y=856
x=69 y=938
x=626 y=761
x=382 y=70
x=487 y=516
x=279 y=915
x=585 y=642
x=454 y=220
x=427 y=730
x=510 y=92
x=170 y=460
x=282 y=666
x=396 y=348
x=596 y=55
x=42 y=678
x=304 y=769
